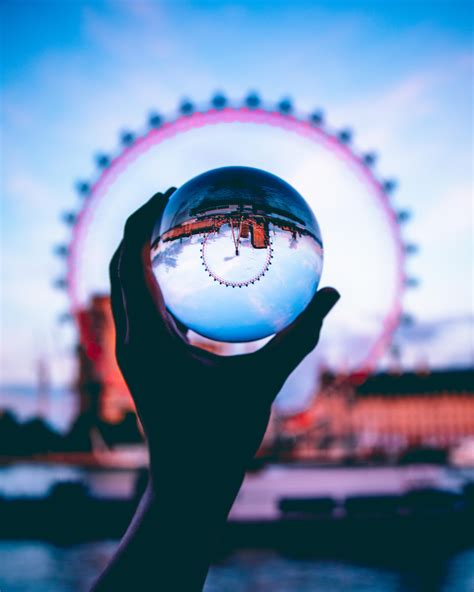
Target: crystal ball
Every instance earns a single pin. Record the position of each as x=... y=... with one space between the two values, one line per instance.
x=237 y=254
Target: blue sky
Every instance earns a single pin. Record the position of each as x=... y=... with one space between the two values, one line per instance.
x=75 y=73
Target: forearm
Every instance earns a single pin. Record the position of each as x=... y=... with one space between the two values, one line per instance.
x=172 y=538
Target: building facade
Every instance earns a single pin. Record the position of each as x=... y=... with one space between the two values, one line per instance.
x=384 y=415
x=387 y=415
x=100 y=382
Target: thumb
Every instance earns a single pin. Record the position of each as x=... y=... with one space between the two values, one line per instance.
x=288 y=348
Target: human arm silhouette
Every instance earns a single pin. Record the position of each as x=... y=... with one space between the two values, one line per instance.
x=204 y=417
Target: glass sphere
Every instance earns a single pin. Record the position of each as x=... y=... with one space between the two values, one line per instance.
x=238 y=254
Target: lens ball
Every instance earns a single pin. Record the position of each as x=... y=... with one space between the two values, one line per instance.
x=237 y=254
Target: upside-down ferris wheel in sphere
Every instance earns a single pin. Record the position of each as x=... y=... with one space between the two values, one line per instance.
x=365 y=253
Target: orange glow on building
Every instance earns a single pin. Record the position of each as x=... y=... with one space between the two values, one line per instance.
x=388 y=413
x=258 y=230
x=97 y=363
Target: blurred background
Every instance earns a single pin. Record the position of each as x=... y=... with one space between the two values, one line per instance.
x=365 y=479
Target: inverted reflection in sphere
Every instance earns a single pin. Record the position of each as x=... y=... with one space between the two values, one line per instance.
x=238 y=254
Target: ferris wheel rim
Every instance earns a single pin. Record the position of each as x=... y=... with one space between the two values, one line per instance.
x=288 y=121
x=233 y=284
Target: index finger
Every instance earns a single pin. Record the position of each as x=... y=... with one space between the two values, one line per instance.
x=137 y=301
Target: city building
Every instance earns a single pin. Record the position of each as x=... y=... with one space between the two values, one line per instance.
x=387 y=415
x=100 y=383
x=384 y=415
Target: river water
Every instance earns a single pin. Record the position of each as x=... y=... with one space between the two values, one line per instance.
x=37 y=566
x=40 y=567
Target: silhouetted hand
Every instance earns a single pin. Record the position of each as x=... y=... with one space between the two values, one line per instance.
x=204 y=415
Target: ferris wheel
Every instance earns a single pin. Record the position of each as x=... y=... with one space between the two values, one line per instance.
x=336 y=146
x=237 y=229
